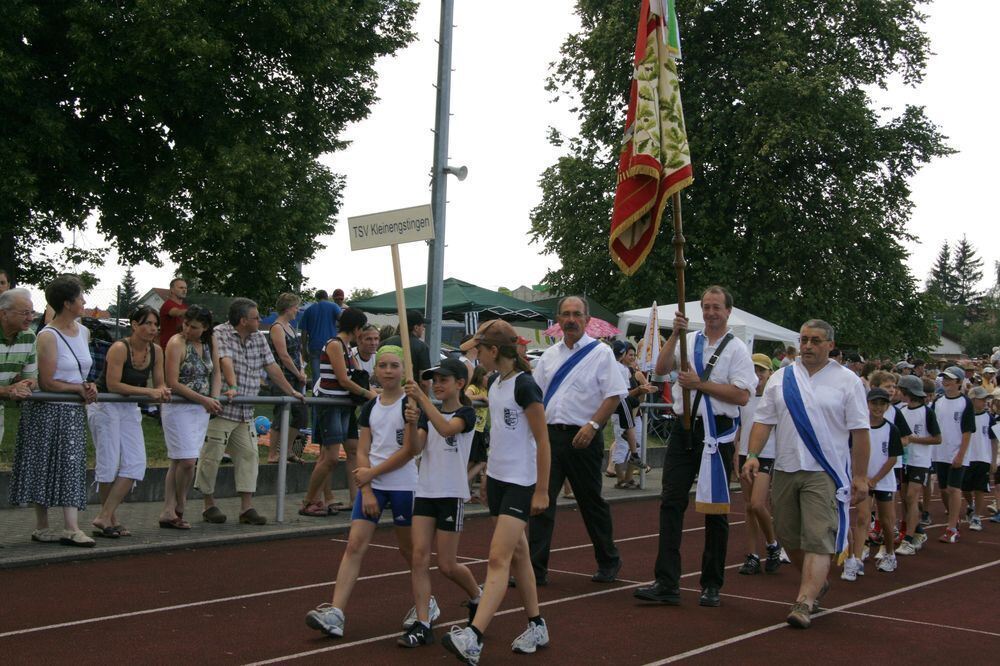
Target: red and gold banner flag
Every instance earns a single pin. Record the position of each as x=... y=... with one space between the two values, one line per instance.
x=655 y=159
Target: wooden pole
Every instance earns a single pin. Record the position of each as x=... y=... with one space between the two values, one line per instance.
x=679 y=265
x=404 y=326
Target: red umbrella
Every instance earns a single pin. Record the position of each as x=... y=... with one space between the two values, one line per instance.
x=596 y=328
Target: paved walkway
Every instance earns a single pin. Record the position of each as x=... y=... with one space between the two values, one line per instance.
x=16 y=525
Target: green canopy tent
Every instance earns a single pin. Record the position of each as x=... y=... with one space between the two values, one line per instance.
x=460 y=299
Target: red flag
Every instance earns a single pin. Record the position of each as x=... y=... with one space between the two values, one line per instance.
x=655 y=159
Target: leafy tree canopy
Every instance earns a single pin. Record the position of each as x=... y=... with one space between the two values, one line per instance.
x=800 y=199
x=189 y=127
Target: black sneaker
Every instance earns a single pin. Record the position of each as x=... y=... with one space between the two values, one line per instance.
x=659 y=593
x=416 y=636
x=773 y=561
x=751 y=566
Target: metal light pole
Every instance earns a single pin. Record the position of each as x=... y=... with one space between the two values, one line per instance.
x=439 y=183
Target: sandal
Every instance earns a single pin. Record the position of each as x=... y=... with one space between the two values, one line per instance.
x=177 y=523
x=77 y=538
x=122 y=530
x=295 y=459
x=332 y=510
x=314 y=510
x=98 y=531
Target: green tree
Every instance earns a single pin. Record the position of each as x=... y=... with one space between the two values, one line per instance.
x=801 y=193
x=126 y=297
x=942 y=278
x=967 y=270
x=360 y=293
x=188 y=127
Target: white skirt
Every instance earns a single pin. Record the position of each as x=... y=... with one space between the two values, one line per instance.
x=184 y=428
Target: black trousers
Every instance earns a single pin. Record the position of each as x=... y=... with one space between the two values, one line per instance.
x=583 y=469
x=680 y=467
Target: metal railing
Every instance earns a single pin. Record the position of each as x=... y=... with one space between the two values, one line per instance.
x=286 y=402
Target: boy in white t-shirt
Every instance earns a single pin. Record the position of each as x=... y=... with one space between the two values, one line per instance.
x=925 y=435
x=982 y=456
x=957 y=420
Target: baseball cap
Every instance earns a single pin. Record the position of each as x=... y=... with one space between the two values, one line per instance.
x=989 y=370
x=450 y=367
x=954 y=372
x=523 y=341
x=978 y=392
x=878 y=394
x=495 y=332
x=996 y=393
x=762 y=361
x=912 y=385
x=854 y=357
x=903 y=365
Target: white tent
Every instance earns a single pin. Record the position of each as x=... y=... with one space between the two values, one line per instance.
x=747 y=327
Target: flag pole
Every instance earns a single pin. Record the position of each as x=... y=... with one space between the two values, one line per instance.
x=679 y=265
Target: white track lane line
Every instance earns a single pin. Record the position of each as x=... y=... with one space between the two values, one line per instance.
x=766 y=630
x=297 y=588
x=375 y=639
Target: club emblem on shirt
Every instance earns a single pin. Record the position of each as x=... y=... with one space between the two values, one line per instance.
x=957 y=416
x=510 y=417
x=917 y=429
x=399 y=437
x=450 y=441
x=885 y=448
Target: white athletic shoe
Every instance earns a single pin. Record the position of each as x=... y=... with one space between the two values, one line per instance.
x=462 y=642
x=906 y=548
x=850 y=572
x=881 y=553
x=411 y=615
x=976 y=524
x=865 y=552
x=784 y=557
x=328 y=619
x=888 y=563
x=535 y=636
x=919 y=539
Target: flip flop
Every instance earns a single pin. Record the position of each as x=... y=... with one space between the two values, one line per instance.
x=122 y=530
x=175 y=524
x=105 y=532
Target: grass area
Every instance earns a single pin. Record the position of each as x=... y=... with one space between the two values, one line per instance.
x=156 y=448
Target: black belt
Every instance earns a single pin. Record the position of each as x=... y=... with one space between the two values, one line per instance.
x=722 y=423
x=564 y=427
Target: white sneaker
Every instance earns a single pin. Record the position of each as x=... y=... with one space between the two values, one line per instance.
x=784 y=557
x=865 y=552
x=535 y=636
x=976 y=524
x=888 y=563
x=462 y=643
x=411 y=615
x=861 y=567
x=907 y=548
x=919 y=539
x=328 y=619
x=850 y=572
x=880 y=554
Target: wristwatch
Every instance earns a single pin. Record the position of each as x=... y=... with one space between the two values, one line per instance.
x=594 y=425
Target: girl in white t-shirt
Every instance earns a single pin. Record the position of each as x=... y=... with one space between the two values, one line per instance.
x=516 y=487
x=445 y=438
x=386 y=475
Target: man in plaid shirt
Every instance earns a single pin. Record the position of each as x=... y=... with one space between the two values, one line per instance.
x=243 y=353
x=18 y=360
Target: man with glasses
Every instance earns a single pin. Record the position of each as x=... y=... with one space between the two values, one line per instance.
x=720 y=378
x=819 y=414
x=18 y=360
x=582 y=388
x=243 y=353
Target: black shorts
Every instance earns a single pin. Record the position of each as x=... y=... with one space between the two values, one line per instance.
x=625 y=419
x=509 y=498
x=766 y=465
x=298 y=416
x=881 y=495
x=448 y=512
x=977 y=477
x=478 y=453
x=900 y=478
x=948 y=476
x=917 y=475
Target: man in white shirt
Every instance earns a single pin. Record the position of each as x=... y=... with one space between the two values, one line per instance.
x=722 y=393
x=582 y=386
x=826 y=403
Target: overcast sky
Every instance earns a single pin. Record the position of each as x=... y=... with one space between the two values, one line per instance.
x=500 y=116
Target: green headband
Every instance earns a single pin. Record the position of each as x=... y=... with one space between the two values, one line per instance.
x=389 y=349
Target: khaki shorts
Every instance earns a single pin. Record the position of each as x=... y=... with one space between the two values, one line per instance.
x=805 y=511
x=239 y=440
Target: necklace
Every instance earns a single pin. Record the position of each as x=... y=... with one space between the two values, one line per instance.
x=506 y=375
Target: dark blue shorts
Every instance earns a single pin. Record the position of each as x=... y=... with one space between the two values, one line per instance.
x=332 y=424
x=948 y=476
x=400 y=501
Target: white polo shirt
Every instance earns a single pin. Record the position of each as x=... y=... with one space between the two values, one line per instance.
x=733 y=367
x=590 y=383
x=840 y=395
x=746 y=425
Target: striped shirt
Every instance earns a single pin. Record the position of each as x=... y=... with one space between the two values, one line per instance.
x=249 y=358
x=18 y=358
x=328 y=385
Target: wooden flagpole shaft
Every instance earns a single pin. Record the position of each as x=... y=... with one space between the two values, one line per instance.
x=679 y=265
x=404 y=326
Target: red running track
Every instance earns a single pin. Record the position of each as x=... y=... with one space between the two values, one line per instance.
x=246 y=604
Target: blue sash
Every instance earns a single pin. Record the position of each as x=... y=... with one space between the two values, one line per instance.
x=712 y=493
x=797 y=410
x=565 y=369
